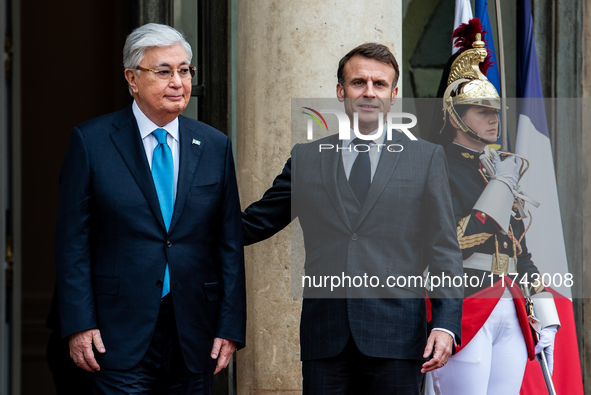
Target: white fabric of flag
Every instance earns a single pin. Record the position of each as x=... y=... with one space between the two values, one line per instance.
x=463 y=14
x=545 y=239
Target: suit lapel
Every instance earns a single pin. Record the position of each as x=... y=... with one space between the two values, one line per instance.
x=384 y=172
x=329 y=166
x=128 y=142
x=190 y=154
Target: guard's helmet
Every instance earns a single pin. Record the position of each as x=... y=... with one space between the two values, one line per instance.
x=466 y=83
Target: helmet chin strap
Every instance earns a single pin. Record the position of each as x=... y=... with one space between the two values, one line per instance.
x=465 y=128
x=473 y=134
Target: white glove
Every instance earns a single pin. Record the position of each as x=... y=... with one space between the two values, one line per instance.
x=546 y=344
x=507 y=169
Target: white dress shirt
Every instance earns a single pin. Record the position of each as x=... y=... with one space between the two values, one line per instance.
x=146 y=127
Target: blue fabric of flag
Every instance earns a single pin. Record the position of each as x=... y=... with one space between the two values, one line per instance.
x=481 y=12
x=528 y=74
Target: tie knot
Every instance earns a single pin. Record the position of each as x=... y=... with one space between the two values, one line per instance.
x=358 y=141
x=160 y=135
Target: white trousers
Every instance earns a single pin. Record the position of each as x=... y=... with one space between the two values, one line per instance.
x=493 y=363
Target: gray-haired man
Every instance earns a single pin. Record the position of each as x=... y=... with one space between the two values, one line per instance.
x=150 y=267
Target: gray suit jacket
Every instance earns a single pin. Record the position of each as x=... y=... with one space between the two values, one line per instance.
x=405 y=224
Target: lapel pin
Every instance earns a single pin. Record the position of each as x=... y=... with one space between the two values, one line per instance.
x=196 y=142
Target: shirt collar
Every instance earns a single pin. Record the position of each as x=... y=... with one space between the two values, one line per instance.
x=379 y=140
x=146 y=126
x=469 y=149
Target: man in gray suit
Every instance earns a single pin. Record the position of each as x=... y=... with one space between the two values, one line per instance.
x=374 y=212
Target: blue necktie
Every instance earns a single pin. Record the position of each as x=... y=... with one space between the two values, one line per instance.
x=163 y=175
x=360 y=176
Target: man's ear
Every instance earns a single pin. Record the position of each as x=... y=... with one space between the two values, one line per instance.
x=340 y=92
x=131 y=78
x=394 y=95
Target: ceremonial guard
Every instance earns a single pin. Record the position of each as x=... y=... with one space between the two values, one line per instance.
x=497 y=338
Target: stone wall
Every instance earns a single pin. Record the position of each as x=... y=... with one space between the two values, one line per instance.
x=286 y=50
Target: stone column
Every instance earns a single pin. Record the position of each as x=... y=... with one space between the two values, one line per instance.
x=286 y=50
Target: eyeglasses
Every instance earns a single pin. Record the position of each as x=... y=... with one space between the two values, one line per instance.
x=165 y=73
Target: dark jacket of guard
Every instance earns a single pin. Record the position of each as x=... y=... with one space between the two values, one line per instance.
x=477 y=232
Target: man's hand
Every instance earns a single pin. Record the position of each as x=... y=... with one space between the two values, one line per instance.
x=440 y=344
x=81 y=349
x=222 y=350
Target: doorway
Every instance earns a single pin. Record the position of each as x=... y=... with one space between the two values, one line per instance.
x=9 y=207
x=68 y=71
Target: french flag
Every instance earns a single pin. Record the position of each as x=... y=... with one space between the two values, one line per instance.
x=545 y=239
x=492 y=74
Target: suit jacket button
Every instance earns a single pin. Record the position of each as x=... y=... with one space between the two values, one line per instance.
x=354 y=237
x=168 y=243
x=159 y=283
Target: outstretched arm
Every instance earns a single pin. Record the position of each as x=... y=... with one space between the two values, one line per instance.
x=273 y=212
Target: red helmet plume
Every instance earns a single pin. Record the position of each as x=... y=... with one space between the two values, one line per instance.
x=465 y=35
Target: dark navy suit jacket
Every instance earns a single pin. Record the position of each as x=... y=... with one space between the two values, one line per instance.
x=112 y=245
x=405 y=224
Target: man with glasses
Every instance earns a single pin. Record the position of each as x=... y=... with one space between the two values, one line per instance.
x=150 y=266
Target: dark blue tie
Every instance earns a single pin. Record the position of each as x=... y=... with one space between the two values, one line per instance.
x=163 y=175
x=360 y=176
